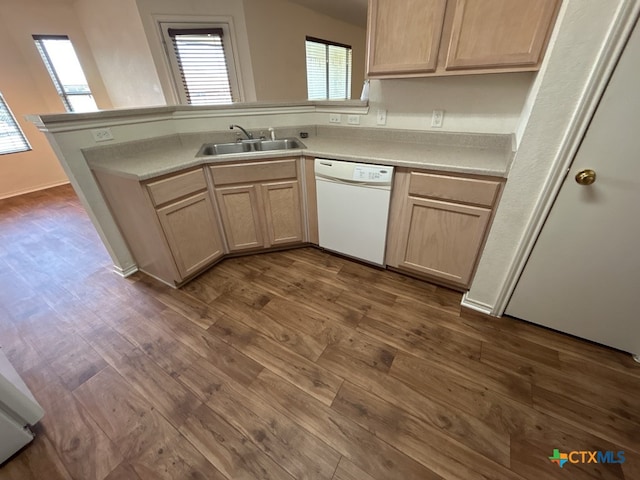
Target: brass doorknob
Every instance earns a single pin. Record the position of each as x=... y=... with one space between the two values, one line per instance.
x=586 y=177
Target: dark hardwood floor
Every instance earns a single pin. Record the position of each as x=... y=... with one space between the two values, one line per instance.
x=290 y=365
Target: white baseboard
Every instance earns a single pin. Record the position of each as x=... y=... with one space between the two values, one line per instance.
x=160 y=280
x=133 y=269
x=33 y=189
x=127 y=272
x=477 y=306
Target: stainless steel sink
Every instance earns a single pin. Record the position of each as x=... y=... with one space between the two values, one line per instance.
x=245 y=146
x=209 y=149
x=282 y=144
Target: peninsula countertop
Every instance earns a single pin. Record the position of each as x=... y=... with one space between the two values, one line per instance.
x=468 y=153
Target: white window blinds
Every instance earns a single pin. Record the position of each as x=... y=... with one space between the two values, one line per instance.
x=12 y=139
x=202 y=63
x=317 y=71
x=328 y=70
x=66 y=72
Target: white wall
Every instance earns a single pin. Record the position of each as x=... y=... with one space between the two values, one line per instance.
x=583 y=28
x=472 y=103
x=277 y=30
x=28 y=89
x=116 y=37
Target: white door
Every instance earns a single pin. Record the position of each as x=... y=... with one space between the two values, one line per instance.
x=583 y=276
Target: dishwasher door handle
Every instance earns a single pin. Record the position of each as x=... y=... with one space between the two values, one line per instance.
x=340 y=180
x=354 y=183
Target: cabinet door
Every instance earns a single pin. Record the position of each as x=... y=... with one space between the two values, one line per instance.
x=283 y=212
x=441 y=239
x=241 y=216
x=404 y=37
x=499 y=33
x=192 y=233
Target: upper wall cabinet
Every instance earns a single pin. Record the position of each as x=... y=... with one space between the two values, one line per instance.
x=404 y=37
x=452 y=37
x=499 y=33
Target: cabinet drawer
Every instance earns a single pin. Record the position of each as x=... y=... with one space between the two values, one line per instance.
x=458 y=189
x=254 y=172
x=178 y=186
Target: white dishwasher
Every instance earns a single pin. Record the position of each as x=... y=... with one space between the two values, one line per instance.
x=353 y=208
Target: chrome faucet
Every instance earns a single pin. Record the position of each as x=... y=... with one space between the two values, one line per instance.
x=249 y=135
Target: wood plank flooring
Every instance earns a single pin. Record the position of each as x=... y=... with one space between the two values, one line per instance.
x=290 y=365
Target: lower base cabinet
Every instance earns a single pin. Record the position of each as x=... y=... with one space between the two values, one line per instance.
x=240 y=216
x=438 y=224
x=177 y=225
x=442 y=238
x=260 y=208
x=283 y=212
x=192 y=233
x=169 y=223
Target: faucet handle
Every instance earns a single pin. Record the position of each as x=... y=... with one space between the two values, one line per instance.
x=272 y=133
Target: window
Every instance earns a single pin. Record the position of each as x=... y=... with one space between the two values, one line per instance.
x=202 y=63
x=328 y=70
x=12 y=139
x=62 y=63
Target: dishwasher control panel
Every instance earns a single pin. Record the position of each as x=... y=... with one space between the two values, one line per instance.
x=371 y=173
x=353 y=172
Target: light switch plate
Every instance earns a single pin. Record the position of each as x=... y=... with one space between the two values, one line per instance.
x=353 y=119
x=382 y=117
x=335 y=118
x=102 y=134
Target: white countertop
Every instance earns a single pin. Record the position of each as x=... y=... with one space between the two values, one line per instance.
x=152 y=158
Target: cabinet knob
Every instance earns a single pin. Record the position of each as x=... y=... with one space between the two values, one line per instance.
x=586 y=177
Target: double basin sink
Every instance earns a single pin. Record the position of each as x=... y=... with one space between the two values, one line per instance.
x=247 y=146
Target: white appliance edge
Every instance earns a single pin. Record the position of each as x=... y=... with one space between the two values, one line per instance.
x=18 y=410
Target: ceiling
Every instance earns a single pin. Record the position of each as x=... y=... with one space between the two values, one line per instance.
x=351 y=11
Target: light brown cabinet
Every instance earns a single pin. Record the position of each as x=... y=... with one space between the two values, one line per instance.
x=283 y=212
x=192 y=233
x=188 y=221
x=260 y=203
x=169 y=223
x=404 y=37
x=438 y=224
x=241 y=216
x=180 y=224
x=450 y=37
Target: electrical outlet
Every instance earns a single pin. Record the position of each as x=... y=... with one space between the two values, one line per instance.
x=437 y=119
x=382 y=117
x=353 y=119
x=102 y=134
x=335 y=118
